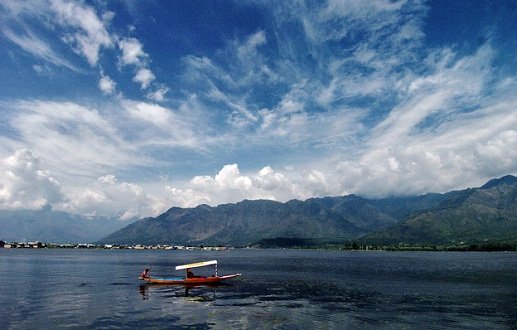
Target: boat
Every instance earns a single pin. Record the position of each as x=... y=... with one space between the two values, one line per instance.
x=189 y=278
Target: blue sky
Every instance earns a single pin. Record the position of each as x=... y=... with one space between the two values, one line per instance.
x=127 y=108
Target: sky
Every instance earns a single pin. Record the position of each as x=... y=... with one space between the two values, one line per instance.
x=127 y=108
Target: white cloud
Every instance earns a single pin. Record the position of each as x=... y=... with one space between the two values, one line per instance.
x=109 y=197
x=442 y=94
x=229 y=177
x=82 y=27
x=38 y=47
x=75 y=141
x=229 y=185
x=144 y=76
x=152 y=127
x=132 y=52
x=183 y=198
x=275 y=184
x=158 y=95
x=107 y=85
x=152 y=113
x=428 y=142
x=338 y=19
x=24 y=184
x=248 y=50
x=91 y=34
x=380 y=116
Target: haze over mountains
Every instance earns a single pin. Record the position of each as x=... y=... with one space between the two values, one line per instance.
x=477 y=215
x=54 y=226
x=470 y=216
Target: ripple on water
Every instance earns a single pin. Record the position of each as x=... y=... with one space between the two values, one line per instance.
x=279 y=289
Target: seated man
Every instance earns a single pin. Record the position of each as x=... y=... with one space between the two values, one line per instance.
x=190 y=274
x=145 y=274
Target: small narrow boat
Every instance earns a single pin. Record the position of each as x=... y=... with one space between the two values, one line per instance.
x=190 y=278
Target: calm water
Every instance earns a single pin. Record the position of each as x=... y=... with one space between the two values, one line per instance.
x=279 y=289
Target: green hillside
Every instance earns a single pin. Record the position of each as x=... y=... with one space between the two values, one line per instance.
x=472 y=216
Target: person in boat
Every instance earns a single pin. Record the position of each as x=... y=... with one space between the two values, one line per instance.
x=145 y=273
x=190 y=274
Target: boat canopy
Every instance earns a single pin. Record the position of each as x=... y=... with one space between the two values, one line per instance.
x=197 y=264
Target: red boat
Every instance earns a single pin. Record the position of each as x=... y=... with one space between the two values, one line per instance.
x=190 y=279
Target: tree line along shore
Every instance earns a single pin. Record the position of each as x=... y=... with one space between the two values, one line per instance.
x=273 y=244
x=42 y=245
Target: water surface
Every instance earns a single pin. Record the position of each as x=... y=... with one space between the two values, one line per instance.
x=279 y=289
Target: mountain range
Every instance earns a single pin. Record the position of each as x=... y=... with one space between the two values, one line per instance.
x=331 y=218
x=470 y=216
x=476 y=215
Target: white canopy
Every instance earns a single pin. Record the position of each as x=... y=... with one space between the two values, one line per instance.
x=197 y=264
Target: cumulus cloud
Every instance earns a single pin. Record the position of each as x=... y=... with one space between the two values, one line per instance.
x=109 y=197
x=144 y=76
x=132 y=52
x=148 y=112
x=107 y=85
x=186 y=197
x=24 y=184
x=230 y=185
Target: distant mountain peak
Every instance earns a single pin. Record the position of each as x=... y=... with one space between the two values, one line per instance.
x=507 y=179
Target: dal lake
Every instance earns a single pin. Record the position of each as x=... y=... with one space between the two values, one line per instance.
x=278 y=289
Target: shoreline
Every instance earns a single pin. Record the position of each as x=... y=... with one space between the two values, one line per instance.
x=484 y=247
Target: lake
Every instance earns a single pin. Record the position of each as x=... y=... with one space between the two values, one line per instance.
x=279 y=289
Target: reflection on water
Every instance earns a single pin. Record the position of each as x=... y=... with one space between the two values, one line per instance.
x=279 y=289
x=199 y=293
x=144 y=291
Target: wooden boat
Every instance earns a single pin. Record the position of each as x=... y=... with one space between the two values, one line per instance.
x=190 y=279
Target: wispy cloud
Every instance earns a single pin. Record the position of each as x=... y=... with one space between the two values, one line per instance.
x=442 y=135
x=311 y=99
x=90 y=33
x=75 y=140
x=34 y=45
x=159 y=94
x=84 y=30
x=160 y=126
